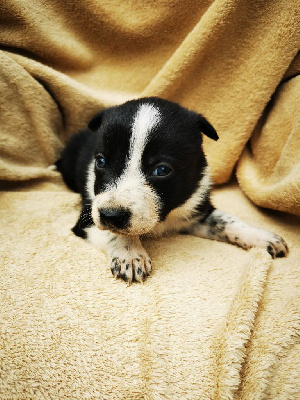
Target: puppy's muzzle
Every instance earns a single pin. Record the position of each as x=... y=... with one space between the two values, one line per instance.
x=115 y=218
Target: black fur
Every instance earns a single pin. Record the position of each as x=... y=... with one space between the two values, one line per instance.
x=177 y=140
x=75 y=159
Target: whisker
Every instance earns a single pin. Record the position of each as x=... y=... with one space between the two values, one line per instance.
x=86 y=217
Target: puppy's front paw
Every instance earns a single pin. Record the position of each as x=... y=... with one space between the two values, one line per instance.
x=276 y=246
x=131 y=265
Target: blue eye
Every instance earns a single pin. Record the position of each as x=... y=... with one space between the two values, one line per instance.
x=162 y=170
x=100 y=162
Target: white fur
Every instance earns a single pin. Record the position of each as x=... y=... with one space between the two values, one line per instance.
x=90 y=182
x=97 y=237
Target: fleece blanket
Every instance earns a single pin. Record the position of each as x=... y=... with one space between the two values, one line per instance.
x=212 y=321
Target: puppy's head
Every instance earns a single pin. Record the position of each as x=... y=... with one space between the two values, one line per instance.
x=148 y=161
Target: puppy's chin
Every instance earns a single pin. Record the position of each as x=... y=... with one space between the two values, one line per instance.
x=129 y=231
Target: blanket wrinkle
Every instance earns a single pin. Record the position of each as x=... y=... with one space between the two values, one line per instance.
x=269 y=168
x=238 y=326
x=267 y=355
x=212 y=321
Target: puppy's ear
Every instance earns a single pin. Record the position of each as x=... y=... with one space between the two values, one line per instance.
x=95 y=122
x=207 y=128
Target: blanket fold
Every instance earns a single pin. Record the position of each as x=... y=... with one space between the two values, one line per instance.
x=269 y=168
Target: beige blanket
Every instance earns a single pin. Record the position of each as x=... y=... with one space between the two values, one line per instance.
x=213 y=321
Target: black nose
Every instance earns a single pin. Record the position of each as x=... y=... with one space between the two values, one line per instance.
x=118 y=218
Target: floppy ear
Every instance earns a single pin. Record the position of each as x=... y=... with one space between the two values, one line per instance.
x=207 y=128
x=95 y=122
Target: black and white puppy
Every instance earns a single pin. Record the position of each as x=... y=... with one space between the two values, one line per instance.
x=141 y=170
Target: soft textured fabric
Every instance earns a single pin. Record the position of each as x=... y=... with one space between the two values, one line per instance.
x=213 y=321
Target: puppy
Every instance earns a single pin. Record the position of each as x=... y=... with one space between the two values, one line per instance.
x=141 y=171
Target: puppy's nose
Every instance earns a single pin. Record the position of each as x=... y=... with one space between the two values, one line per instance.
x=118 y=218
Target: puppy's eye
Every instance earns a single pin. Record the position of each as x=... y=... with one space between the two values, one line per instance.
x=162 y=170
x=100 y=162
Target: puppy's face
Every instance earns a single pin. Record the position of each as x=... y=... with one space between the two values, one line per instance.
x=148 y=161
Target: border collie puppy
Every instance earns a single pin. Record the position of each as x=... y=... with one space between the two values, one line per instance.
x=141 y=170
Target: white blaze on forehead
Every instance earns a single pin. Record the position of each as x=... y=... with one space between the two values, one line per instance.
x=90 y=182
x=146 y=118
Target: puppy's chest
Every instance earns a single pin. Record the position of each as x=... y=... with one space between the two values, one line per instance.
x=175 y=222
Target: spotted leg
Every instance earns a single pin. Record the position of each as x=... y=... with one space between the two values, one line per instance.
x=128 y=259
x=224 y=227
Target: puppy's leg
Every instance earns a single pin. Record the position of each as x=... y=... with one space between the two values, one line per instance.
x=221 y=226
x=128 y=259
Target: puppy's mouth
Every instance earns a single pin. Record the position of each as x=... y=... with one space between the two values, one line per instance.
x=126 y=232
